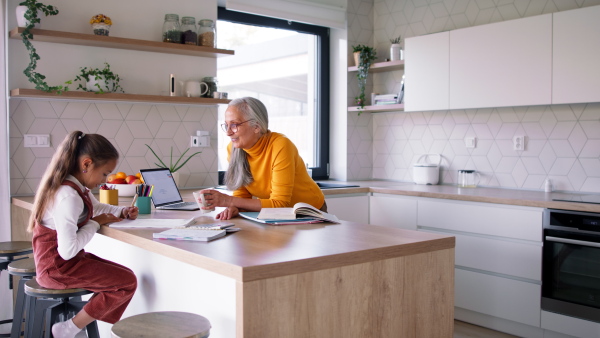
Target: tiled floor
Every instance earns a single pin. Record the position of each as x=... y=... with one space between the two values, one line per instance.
x=466 y=330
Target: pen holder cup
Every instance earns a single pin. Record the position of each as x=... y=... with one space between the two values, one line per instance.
x=144 y=205
x=109 y=196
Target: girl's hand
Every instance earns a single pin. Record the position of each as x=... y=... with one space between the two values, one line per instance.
x=105 y=219
x=130 y=213
x=214 y=198
x=228 y=213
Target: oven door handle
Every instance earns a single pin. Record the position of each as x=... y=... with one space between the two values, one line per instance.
x=572 y=241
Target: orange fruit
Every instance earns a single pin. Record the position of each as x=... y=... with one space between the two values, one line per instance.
x=138 y=175
x=120 y=174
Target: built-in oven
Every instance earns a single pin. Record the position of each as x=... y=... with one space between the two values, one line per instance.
x=571 y=264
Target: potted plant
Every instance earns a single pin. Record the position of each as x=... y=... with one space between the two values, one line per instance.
x=33 y=7
x=98 y=80
x=396 y=49
x=173 y=168
x=366 y=56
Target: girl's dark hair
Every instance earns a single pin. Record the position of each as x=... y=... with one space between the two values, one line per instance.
x=66 y=162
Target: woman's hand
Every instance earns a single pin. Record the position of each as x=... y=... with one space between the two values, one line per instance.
x=130 y=213
x=214 y=198
x=105 y=219
x=228 y=213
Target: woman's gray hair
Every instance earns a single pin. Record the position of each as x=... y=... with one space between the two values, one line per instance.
x=238 y=174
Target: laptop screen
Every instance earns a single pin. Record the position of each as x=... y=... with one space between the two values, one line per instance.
x=165 y=190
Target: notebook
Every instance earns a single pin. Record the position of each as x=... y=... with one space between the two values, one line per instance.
x=165 y=195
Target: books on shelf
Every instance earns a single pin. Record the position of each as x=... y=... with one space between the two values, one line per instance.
x=298 y=210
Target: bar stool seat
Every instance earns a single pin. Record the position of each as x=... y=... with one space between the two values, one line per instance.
x=9 y=251
x=53 y=303
x=25 y=268
x=162 y=324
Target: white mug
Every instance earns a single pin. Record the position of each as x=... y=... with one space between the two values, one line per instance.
x=193 y=88
x=202 y=202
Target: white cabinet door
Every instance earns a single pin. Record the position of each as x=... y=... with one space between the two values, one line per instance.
x=576 y=47
x=426 y=71
x=349 y=208
x=393 y=211
x=499 y=297
x=502 y=64
x=482 y=218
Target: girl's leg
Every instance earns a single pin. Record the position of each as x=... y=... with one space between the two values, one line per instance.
x=82 y=319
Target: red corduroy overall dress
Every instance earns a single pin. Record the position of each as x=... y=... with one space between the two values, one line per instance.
x=113 y=285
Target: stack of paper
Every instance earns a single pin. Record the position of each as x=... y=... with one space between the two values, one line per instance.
x=190 y=234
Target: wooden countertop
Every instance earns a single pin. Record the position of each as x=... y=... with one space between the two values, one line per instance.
x=261 y=251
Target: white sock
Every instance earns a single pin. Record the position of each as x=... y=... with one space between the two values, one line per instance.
x=66 y=329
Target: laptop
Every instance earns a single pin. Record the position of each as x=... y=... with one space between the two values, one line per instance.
x=165 y=195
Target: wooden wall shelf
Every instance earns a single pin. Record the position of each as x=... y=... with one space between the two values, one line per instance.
x=78 y=95
x=120 y=43
x=382 y=66
x=378 y=108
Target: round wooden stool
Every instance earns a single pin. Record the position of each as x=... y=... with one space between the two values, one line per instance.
x=9 y=251
x=56 y=306
x=162 y=324
x=25 y=268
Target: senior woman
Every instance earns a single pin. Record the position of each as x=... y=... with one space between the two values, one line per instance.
x=262 y=164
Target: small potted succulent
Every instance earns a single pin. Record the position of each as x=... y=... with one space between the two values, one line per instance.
x=99 y=80
x=364 y=57
x=396 y=49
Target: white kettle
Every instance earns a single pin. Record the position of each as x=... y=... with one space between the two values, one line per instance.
x=425 y=172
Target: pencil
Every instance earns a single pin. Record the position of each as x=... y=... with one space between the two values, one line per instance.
x=134 y=199
x=151 y=189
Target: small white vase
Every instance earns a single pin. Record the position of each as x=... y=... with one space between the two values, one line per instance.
x=21 y=22
x=395 y=52
x=106 y=86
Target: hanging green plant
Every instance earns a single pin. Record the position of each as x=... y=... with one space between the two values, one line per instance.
x=98 y=80
x=366 y=57
x=31 y=15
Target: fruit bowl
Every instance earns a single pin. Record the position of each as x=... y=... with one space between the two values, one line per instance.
x=125 y=189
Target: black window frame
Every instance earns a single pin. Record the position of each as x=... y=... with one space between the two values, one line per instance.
x=321 y=171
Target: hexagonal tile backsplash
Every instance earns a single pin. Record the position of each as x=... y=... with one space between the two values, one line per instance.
x=562 y=141
x=128 y=126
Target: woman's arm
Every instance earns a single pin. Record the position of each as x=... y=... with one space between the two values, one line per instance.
x=233 y=204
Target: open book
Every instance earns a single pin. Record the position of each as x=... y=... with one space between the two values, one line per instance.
x=299 y=210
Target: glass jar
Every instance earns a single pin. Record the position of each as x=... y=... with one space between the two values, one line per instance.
x=189 y=35
x=207 y=33
x=211 y=81
x=171 y=29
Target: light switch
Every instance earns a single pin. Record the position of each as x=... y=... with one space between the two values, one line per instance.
x=35 y=141
x=470 y=142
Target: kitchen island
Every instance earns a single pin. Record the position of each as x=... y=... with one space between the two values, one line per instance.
x=312 y=280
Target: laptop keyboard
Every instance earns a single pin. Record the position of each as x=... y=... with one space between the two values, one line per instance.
x=181 y=204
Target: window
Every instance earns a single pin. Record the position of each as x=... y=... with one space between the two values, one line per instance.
x=286 y=66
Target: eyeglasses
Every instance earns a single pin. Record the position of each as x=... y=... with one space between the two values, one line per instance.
x=233 y=126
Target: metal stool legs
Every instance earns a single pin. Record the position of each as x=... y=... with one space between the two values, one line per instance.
x=20 y=305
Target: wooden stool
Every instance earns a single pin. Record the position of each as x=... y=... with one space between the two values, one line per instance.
x=25 y=268
x=53 y=303
x=162 y=324
x=9 y=251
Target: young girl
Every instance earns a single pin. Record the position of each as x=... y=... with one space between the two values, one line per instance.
x=64 y=219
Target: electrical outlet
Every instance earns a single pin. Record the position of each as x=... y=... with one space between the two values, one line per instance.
x=519 y=143
x=195 y=141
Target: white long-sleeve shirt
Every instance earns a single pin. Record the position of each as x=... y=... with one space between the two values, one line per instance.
x=67 y=211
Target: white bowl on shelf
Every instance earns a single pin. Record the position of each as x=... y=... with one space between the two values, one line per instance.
x=124 y=189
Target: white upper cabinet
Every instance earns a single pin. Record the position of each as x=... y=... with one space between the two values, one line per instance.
x=427 y=72
x=576 y=47
x=502 y=64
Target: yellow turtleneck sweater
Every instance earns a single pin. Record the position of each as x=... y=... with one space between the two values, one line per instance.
x=280 y=176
